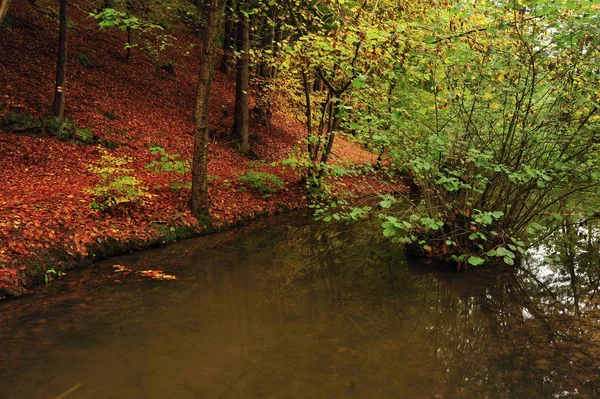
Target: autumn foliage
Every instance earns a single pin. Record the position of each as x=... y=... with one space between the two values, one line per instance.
x=47 y=183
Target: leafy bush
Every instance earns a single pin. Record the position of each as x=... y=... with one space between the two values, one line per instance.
x=263 y=182
x=177 y=11
x=505 y=134
x=149 y=35
x=117 y=186
x=170 y=163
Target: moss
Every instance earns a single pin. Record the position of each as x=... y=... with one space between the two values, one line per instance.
x=15 y=122
x=172 y=234
x=34 y=270
x=67 y=130
x=206 y=222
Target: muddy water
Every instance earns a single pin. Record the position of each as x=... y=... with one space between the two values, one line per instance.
x=287 y=308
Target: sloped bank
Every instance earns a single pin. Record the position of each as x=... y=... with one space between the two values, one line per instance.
x=57 y=261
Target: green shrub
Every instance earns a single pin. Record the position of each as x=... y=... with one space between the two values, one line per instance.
x=148 y=35
x=118 y=187
x=263 y=182
x=170 y=163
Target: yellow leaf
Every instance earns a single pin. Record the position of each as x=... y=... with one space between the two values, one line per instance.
x=495 y=106
x=488 y=96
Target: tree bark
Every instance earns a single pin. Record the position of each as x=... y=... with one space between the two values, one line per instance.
x=263 y=101
x=242 y=114
x=228 y=39
x=3 y=9
x=128 y=6
x=199 y=205
x=58 y=107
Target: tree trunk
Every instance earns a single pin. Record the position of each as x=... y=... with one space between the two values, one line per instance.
x=3 y=9
x=199 y=199
x=242 y=114
x=278 y=37
x=128 y=7
x=263 y=100
x=58 y=107
x=128 y=45
x=228 y=39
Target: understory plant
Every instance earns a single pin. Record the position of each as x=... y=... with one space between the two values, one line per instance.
x=177 y=168
x=117 y=187
x=507 y=129
x=263 y=182
x=141 y=33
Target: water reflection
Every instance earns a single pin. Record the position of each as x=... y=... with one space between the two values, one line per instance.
x=286 y=308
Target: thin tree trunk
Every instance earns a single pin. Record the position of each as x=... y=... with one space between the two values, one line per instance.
x=228 y=39
x=278 y=36
x=199 y=205
x=242 y=114
x=308 y=112
x=58 y=107
x=263 y=101
x=128 y=6
x=335 y=125
x=3 y=9
x=128 y=49
x=317 y=84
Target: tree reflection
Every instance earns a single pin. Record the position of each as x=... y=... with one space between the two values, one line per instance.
x=335 y=309
x=494 y=333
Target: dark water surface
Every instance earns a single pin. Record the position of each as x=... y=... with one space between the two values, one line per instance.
x=287 y=308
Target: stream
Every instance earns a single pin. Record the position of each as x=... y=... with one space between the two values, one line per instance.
x=290 y=308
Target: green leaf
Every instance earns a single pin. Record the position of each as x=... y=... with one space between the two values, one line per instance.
x=476 y=261
x=508 y=261
x=434 y=226
x=359 y=82
x=385 y=204
x=389 y=231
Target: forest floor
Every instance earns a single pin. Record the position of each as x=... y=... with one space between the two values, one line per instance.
x=46 y=223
